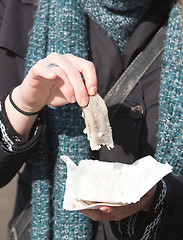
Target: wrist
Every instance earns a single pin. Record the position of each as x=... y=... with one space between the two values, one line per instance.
x=20 y=110
x=25 y=107
x=21 y=123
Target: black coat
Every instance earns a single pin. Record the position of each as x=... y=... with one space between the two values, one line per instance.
x=134 y=132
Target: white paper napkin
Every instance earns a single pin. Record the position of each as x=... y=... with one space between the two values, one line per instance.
x=93 y=183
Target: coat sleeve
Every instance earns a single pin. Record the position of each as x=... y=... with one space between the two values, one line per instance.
x=16 y=19
x=14 y=153
x=164 y=220
x=171 y=227
x=11 y=162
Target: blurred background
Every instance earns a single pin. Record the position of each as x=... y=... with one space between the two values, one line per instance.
x=7 y=200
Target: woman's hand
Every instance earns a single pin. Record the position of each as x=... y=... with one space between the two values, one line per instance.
x=118 y=213
x=54 y=86
x=58 y=85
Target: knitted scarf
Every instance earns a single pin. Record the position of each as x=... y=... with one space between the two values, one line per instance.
x=170 y=134
x=61 y=26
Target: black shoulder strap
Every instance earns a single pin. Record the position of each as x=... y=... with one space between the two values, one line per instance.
x=127 y=81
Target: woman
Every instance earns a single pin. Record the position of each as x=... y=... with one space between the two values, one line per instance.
x=110 y=34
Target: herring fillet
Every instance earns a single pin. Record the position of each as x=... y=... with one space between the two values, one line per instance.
x=98 y=128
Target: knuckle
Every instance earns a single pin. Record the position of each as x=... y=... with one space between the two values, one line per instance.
x=60 y=72
x=69 y=55
x=75 y=74
x=39 y=62
x=53 y=55
x=90 y=65
x=35 y=69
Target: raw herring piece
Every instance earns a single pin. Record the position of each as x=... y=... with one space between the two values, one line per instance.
x=98 y=128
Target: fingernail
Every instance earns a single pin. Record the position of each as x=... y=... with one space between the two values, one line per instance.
x=73 y=99
x=105 y=209
x=84 y=101
x=92 y=90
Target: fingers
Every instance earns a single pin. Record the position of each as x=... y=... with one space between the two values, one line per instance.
x=87 y=68
x=120 y=212
x=65 y=86
x=112 y=213
x=75 y=80
x=105 y=209
x=73 y=67
x=45 y=86
x=97 y=215
x=107 y=213
x=104 y=213
x=40 y=71
x=66 y=75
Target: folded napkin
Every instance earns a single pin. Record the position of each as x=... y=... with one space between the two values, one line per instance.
x=93 y=183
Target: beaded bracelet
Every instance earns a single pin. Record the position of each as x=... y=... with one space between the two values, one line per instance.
x=20 y=110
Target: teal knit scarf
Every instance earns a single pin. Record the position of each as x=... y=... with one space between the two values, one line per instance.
x=61 y=26
x=170 y=135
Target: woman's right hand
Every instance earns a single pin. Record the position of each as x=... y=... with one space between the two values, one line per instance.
x=58 y=85
x=54 y=86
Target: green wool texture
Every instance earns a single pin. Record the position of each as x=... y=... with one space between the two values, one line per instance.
x=170 y=135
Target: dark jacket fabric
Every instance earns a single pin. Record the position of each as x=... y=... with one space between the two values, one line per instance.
x=134 y=132
x=16 y=19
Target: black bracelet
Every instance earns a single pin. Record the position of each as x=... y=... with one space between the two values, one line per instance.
x=20 y=110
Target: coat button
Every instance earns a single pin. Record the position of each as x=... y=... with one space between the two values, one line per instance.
x=137 y=112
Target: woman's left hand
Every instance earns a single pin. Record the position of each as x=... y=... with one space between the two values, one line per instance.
x=118 y=213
